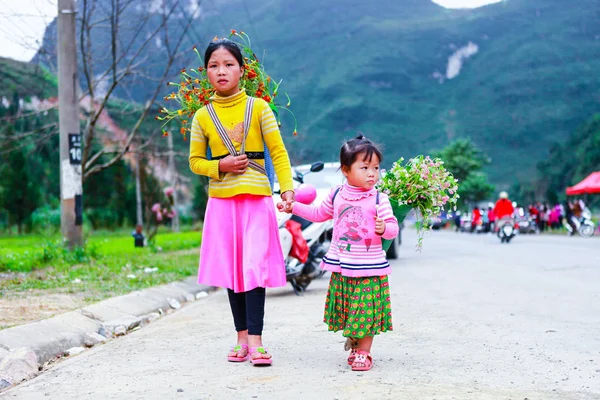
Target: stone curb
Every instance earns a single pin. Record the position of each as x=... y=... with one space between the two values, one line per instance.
x=25 y=349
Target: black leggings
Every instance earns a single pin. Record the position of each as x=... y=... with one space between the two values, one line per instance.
x=248 y=309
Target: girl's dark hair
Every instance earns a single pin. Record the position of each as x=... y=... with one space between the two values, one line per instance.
x=228 y=45
x=359 y=145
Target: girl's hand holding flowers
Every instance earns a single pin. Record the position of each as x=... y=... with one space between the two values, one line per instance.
x=379 y=226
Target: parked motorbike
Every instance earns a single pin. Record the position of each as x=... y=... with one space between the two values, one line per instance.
x=506 y=230
x=584 y=225
x=527 y=224
x=298 y=272
x=479 y=227
x=465 y=223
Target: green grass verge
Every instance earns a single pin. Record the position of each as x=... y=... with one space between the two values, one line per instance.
x=109 y=265
x=27 y=253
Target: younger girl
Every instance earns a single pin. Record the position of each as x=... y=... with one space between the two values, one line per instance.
x=358 y=299
x=240 y=242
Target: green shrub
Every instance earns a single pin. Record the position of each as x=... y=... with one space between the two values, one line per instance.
x=46 y=220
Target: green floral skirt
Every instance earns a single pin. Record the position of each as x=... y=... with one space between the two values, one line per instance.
x=359 y=307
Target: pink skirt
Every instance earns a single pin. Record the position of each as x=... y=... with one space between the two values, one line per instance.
x=240 y=244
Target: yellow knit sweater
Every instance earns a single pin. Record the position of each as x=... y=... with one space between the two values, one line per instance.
x=230 y=111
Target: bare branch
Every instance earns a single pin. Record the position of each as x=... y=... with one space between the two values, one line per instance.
x=144 y=44
x=86 y=56
x=32 y=114
x=85 y=45
x=117 y=76
x=25 y=143
x=94 y=158
x=165 y=19
x=114 y=31
x=100 y=23
x=92 y=169
x=120 y=75
x=147 y=153
x=24 y=135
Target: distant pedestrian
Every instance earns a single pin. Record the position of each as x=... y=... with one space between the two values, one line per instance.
x=554 y=218
x=457 y=221
x=476 y=219
x=491 y=219
x=569 y=216
x=139 y=239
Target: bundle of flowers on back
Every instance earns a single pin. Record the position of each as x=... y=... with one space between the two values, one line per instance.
x=194 y=91
x=422 y=184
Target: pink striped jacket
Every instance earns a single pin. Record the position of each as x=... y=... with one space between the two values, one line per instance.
x=355 y=248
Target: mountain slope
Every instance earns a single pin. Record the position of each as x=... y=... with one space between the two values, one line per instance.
x=26 y=79
x=382 y=68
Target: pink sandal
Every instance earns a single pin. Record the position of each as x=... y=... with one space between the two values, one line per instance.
x=365 y=358
x=352 y=356
x=352 y=345
x=237 y=350
x=260 y=361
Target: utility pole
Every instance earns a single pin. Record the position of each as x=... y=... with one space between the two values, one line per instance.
x=173 y=178
x=71 y=183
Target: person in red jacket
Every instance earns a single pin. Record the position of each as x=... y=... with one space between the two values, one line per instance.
x=491 y=219
x=475 y=219
x=503 y=208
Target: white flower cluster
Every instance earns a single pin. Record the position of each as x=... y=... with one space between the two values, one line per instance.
x=423 y=184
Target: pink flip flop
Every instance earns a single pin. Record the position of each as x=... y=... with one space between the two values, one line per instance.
x=237 y=349
x=363 y=357
x=260 y=361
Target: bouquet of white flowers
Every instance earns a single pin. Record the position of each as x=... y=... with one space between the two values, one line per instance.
x=422 y=184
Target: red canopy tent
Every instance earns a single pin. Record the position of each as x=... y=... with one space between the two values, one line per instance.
x=589 y=185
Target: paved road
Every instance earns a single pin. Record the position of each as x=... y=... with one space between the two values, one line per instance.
x=474 y=319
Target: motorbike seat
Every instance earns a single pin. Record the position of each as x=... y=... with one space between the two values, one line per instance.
x=304 y=223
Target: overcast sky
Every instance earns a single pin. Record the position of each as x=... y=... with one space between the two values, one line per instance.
x=23 y=23
x=465 y=3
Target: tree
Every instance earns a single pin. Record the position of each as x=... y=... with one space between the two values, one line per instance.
x=200 y=197
x=158 y=203
x=466 y=161
x=164 y=22
x=108 y=195
x=20 y=194
x=462 y=157
x=568 y=163
x=523 y=193
x=475 y=188
x=28 y=160
x=114 y=43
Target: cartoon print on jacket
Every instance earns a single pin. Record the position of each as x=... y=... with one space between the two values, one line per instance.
x=351 y=225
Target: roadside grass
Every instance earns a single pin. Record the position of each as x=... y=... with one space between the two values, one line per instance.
x=109 y=264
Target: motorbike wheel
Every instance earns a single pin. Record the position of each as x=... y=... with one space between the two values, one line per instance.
x=299 y=287
x=586 y=230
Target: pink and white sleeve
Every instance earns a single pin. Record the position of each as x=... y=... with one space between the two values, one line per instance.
x=387 y=214
x=320 y=213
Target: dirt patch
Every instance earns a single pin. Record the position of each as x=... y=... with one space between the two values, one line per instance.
x=21 y=308
x=52 y=290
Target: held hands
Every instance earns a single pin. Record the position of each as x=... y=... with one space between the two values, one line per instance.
x=287 y=202
x=236 y=164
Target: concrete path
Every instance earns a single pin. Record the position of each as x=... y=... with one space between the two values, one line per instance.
x=473 y=319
